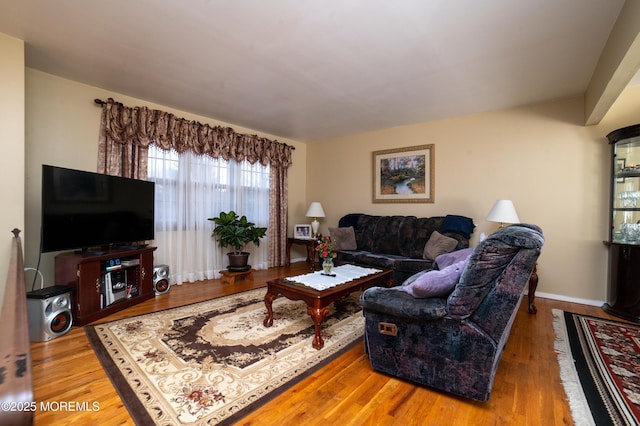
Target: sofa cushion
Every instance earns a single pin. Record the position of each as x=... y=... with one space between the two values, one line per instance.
x=413 y=266
x=350 y=219
x=406 y=235
x=365 y=231
x=377 y=260
x=404 y=267
x=362 y=257
x=348 y=256
x=438 y=244
x=394 y=302
x=418 y=232
x=345 y=238
x=385 y=237
x=434 y=283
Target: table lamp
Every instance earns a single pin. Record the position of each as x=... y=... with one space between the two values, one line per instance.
x=315 y=211
x=503 y=212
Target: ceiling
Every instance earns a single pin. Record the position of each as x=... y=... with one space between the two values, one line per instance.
x=315 y=69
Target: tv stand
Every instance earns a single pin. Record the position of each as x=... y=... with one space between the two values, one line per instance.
x=129 y=271
x=87 y=252
x=131 y=247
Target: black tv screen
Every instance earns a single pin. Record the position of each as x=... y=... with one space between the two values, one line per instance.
x=85 y=210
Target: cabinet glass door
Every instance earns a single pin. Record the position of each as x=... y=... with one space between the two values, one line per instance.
x=626 y=191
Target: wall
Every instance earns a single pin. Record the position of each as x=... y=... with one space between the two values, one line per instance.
x=554 y=169
x=625 y=111
x=62 y=125
x=13 y=141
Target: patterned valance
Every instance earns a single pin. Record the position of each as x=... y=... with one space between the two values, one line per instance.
x=142 y=126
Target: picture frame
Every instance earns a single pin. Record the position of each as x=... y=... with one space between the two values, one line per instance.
x=404 y=175
x=302 y=231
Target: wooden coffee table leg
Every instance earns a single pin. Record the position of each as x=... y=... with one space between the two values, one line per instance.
x=268 y=302
x=317 y=315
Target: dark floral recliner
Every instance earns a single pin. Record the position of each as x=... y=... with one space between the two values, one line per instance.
x=455 y=343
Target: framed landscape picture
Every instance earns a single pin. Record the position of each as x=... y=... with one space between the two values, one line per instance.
x=404 y=175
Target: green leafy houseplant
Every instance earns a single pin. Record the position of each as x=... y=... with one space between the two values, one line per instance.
x=236 y=231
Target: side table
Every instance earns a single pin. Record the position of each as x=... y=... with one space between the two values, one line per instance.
x=310 y=243
x=533 y=285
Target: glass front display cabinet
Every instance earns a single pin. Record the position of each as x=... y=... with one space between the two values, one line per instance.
x=623 y=299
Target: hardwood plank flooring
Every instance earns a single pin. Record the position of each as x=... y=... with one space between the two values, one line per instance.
x=527 y=388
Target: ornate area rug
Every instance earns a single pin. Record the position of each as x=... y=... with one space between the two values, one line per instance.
x=213 y=362
x=600 y=368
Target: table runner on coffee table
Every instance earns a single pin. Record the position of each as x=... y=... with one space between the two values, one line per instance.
x=343 y=274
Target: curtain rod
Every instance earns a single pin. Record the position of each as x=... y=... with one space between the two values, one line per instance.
x=103 y=103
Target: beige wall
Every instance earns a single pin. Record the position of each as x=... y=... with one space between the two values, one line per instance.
x=12 y=140
x=62 y=130
x=554 y=169
x=625 y=111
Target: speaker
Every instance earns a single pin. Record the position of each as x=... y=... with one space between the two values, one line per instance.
x=161 y=279
x=49 y=311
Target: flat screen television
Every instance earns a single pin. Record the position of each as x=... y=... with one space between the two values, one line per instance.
x=91 y=211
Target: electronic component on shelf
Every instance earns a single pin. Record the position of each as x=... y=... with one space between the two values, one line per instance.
x=114 y=287
x=111 y=264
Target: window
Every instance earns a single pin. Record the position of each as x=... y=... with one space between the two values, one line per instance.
x=190 y=189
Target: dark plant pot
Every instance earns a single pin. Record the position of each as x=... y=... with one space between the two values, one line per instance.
x=238 y=261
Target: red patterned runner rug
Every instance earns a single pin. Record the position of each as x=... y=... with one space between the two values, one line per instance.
x=600 y=368
x=213 y=362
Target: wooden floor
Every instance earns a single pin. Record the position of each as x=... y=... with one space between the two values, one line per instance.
x=527 y=388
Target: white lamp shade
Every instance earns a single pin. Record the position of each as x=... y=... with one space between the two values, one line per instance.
x=503 y=211
x=315 y=210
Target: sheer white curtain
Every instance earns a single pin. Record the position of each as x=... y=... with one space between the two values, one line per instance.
x=190 y=189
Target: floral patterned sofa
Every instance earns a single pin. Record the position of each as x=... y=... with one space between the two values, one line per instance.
x=405 y=244
x=454 y=342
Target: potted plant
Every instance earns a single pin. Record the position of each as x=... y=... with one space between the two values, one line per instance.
x=236 y=232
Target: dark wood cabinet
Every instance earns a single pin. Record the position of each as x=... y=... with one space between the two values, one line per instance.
x=623 y=299
x=624 y=277
x=105 y=283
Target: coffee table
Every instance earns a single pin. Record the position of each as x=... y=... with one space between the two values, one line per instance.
x=318 y=301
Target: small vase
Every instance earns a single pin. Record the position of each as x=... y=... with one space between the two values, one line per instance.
x=327 y=265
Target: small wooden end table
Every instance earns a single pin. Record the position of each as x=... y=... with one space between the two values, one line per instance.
x=310 y=243
x=533 y=285
x=318 y=301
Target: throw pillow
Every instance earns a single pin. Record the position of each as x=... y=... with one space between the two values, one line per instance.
x=345 y=238
x=438 y=244
x=435 y=283
x=414 y=277
x=456 y=256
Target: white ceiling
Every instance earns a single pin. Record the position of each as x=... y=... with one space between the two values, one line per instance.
x=314 y=69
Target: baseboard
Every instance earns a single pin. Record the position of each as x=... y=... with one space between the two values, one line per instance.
x=569 y=299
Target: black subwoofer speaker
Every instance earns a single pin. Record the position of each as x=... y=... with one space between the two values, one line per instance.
x=161 y=279
x=49 y=311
